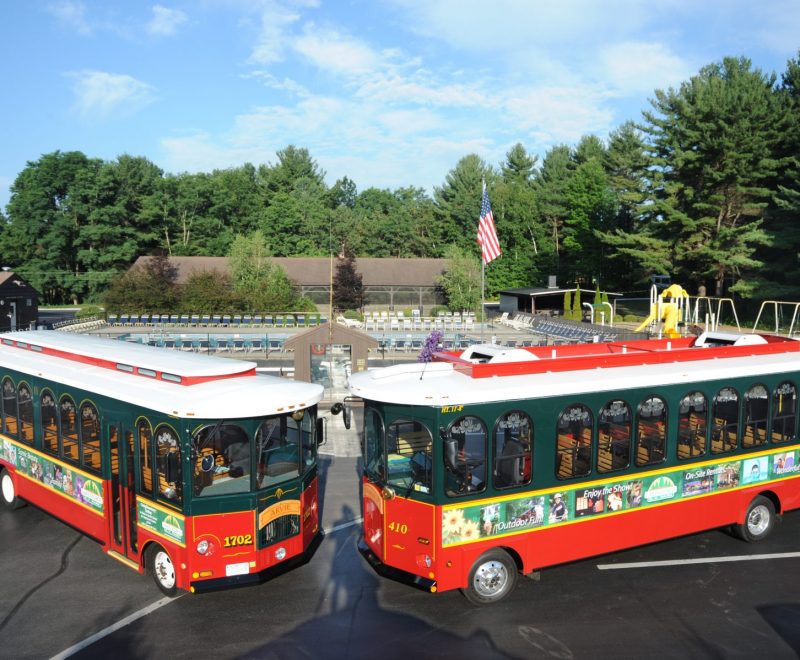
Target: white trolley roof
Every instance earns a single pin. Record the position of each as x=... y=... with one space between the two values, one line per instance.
x=484 y=374
x=172 y=382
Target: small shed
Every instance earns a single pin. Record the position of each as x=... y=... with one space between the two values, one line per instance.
x=19 y=302
x=328 y=352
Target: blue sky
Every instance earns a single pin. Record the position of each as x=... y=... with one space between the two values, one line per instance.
x=390 y=93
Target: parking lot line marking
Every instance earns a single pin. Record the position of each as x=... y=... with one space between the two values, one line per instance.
x=154 y=606
x=336 y=528
x=707 y=560
x=114 y=627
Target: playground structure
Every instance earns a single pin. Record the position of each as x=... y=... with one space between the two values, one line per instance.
x=666 y=317
x=673 y=311
x=779 y=309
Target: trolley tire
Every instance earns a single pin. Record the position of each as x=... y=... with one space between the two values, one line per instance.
x=759 y=520
x=8 y=491
x=160 y=566
x=492 y=577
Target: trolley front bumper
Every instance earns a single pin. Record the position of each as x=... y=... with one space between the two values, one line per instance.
x=269 y=573
x=394 y=573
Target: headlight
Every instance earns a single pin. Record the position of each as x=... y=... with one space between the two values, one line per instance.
x=202 y=547
x=424 y=561
x=280 y=553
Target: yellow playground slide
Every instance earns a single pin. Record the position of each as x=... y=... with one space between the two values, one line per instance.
x=670 y=312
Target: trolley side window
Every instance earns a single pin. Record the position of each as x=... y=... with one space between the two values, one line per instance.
x=25 y=407
x=278 y=453
x=784 y=412
x=756 y=414
x=145 y=457
x=409 y=458
x=49 y=422
x=513 y=440
x=305 y=427
x=726 y=421
x=9 y=425
x=374 y=450
x=465 y=456
x=692 y=425
x=90 y=438
x=168 y=461
x=614 y=436
x=221 y=460
x=68 y=427
x=651 y=431
x=574 y=442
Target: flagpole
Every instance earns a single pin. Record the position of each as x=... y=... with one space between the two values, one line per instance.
x=483 y=293
x=490 y=246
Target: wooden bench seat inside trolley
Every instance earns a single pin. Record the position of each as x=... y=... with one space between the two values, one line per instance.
x=27 y=432
x=615 y=441
x=723 y=437
x=568 y=447
x=755 y=433
x=605 y=455
x=650 y=442
x=412 y=443
x=147 y=482
x=691 y=435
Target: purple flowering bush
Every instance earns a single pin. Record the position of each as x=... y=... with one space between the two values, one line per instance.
x=432 y=344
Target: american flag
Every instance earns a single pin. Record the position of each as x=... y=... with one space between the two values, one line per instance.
x=487 y=234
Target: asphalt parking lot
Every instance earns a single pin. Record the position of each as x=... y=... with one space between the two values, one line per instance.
x=58 y=590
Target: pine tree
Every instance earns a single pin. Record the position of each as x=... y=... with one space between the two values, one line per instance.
x=348 y=290
x=712 y=143
x=576 y=304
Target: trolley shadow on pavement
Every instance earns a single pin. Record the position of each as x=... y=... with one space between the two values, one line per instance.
x=784 y=619
x=352 y=624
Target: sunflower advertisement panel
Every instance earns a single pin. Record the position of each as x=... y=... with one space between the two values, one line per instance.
x=486 y=519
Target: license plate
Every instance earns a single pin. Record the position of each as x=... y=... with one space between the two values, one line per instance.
x=237 y=569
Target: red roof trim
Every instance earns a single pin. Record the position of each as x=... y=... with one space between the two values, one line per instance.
x=578 y=357
x=112 y=365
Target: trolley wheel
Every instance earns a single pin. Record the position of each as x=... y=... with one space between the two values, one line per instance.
x=160 y=565
x=492 y=578
x=9 y=492
x=758 y=521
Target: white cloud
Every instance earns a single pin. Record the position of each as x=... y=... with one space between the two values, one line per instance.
x=196 y=152
x=165 y=21
x=405 y=122
x=552 y=115
x=337 y=53
x=100 y=94
x=560 y=70
x=514 y=25
x=72 y=15
x=275 y=20
x=286 y=85
x=373 y=145
x=636 y=67
x=419 y=89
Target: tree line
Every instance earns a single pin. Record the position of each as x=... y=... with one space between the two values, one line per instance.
x=706 y=188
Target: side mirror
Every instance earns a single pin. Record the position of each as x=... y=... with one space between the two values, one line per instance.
x=451 y=453
x=320 y=431
x=346 y=416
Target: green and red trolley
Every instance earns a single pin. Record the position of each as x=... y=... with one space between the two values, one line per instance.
x=495 y=462
x=195 y=468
